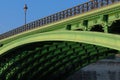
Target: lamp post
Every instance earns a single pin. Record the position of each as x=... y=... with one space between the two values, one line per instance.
x=25 y=10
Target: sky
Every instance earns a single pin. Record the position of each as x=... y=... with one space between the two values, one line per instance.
x=12 y=12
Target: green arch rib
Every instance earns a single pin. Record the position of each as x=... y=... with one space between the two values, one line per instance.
x=96 y=38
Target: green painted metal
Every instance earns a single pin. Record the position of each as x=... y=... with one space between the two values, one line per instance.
x=60 y=49
x=49 y=60
x=101 y=39
x=94 y=17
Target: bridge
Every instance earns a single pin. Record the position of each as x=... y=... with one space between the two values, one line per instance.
x=58 y=45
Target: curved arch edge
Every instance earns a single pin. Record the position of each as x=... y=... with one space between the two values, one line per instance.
x=96 y=38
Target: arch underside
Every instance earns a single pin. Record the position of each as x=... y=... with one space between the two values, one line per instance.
x=49 y=60
x=54 y=55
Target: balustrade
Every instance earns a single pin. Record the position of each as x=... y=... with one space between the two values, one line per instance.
x=60 y=15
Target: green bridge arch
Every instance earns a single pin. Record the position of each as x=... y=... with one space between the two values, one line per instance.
x=96 y=38
x=58 y=55
x=51 y=49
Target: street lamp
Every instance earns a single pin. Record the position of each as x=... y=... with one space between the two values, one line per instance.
x=25 y=10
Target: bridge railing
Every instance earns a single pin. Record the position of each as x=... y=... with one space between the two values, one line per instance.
x=79 y=9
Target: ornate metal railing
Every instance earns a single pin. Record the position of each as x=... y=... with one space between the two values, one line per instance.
x=79 y=9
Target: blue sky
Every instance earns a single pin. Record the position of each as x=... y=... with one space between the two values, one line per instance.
x=12 y=13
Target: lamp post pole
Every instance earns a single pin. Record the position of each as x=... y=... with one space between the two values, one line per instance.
x=25 y=10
